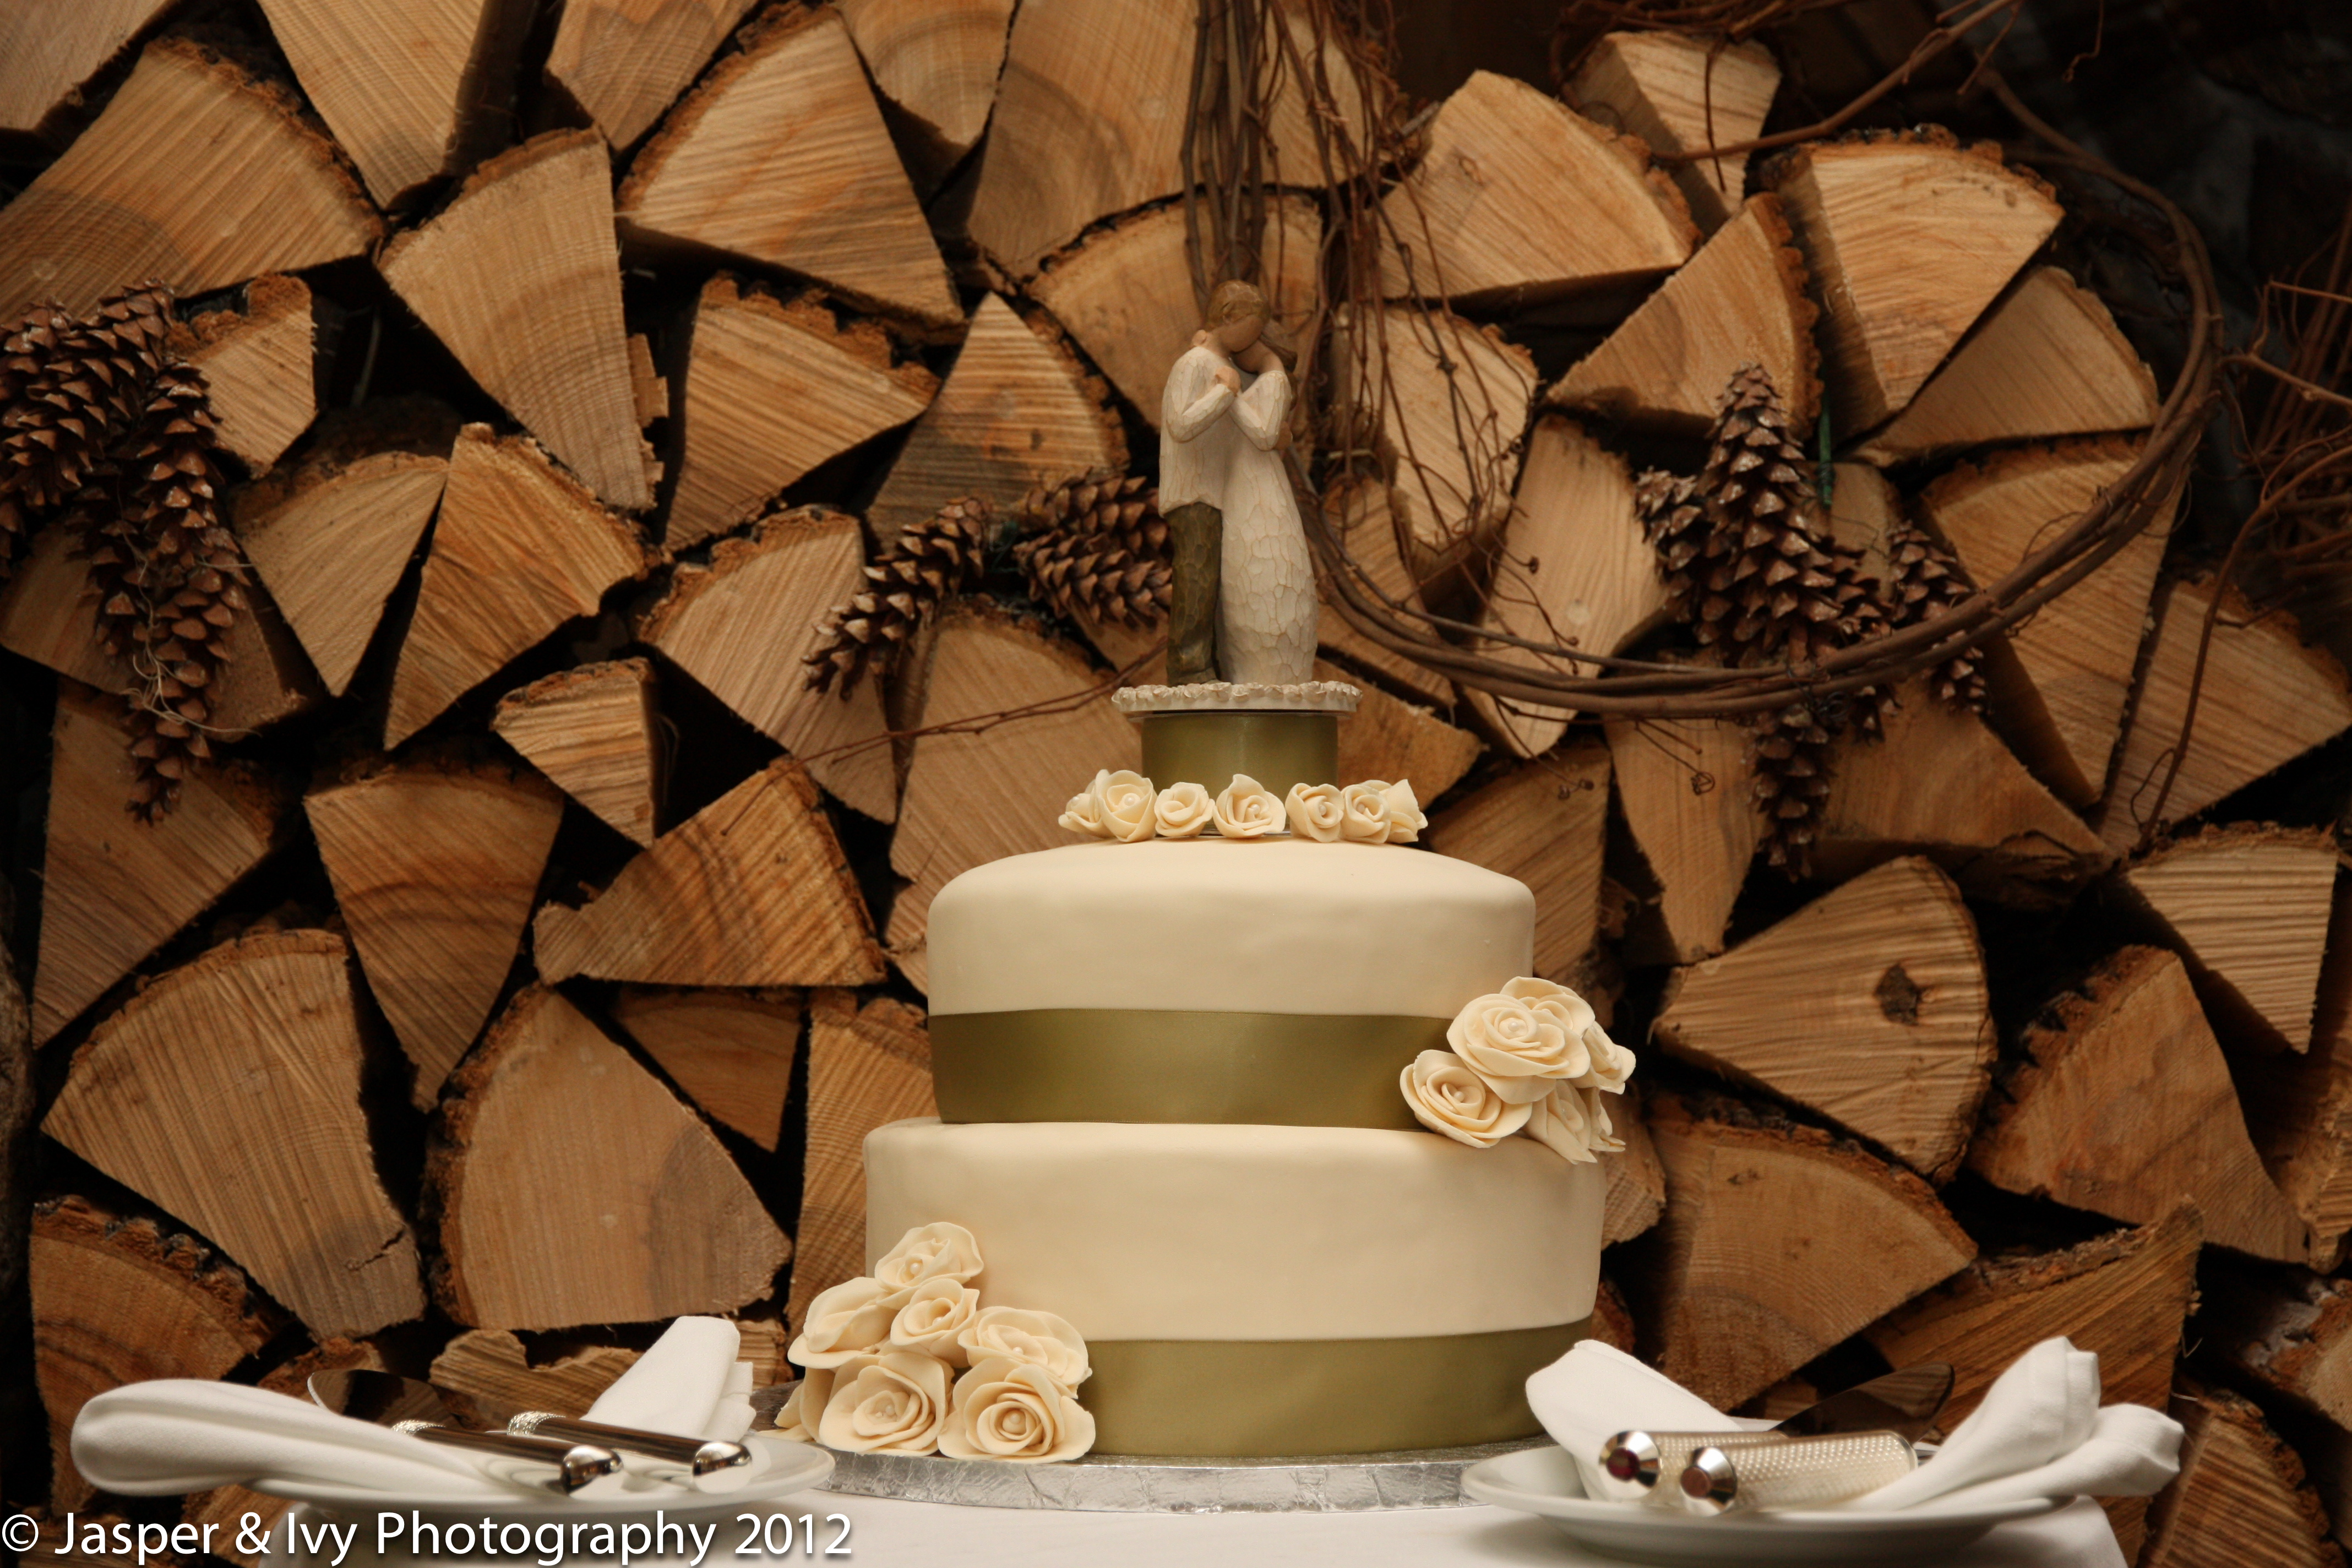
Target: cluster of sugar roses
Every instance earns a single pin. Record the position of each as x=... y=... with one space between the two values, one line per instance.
x=1530 y=1059
x=877 y=1356
x=1125 y=806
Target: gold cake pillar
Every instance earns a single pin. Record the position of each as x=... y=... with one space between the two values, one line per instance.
x=1205 y=733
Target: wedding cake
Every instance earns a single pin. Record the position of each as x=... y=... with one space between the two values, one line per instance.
x=1263 y=1103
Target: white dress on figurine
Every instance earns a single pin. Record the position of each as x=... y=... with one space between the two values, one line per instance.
x=1225 y=448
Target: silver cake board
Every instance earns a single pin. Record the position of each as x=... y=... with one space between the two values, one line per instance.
x=1131 y=1483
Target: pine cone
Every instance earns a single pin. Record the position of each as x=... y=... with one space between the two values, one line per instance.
x=927 y=563
x=1096 y=547
x=1790 y=774
x=1678 y=529
x=171 y=577
x=1925 y=579
x=72 y=390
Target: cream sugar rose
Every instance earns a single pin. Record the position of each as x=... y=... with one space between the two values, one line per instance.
x=906 y=1361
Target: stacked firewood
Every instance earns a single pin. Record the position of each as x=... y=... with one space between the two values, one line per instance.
x=689 y=471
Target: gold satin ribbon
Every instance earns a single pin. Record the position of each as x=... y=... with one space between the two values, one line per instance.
x=1282 y=1398
x=1277 y=748
x=1110 y=1064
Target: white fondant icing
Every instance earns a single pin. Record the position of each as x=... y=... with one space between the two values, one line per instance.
x=1221 y=925
x=1182 y=1232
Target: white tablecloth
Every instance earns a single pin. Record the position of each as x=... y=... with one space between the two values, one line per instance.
x=931 y=1536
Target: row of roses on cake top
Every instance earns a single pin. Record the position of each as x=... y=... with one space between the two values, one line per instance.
x=1124 y=806
x=1530 y=1059
x=880 y=1354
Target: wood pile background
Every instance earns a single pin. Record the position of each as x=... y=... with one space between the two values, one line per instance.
x=531 y=969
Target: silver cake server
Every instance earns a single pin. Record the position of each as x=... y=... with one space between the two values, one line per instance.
x=407 y=1406
x=707 y=1460
x=1905 y=1401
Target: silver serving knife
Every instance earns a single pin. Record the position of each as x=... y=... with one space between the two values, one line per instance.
x=406 y=1405
x=706 y=1460
x=1905 y=1402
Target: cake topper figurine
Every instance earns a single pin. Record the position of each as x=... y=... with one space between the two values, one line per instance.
x=1243 y=603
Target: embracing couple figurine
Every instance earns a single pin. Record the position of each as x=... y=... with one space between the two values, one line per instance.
x=1243 y=605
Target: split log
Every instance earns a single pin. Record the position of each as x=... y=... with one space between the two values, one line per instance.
x=2299 y=1109
x=2265 y=698
x=937 y=61
x=1864 y=507
x=1636 y=1198
x=1125 y=293
x=1679 y=93
x=197 y=173
x=2249 y=908
x=1361 y=512
x=48 y=54
x=226 y=1507
x=404 y=127
x=114 y=891
x=1942 y=784
x=1016 y=410
x=2287 y=1329
x=519 y=278
x=2047 y=360
x=2124 y=1294
x=1544 y=823
x=435 y=864
x=1573 y=569
x=1682 y=786
x=2063 y=697
x=1739 y=301
x=1390 y=739
x=752 y=890
x=2124 y=1104
x=493 y=1366
x=867 y=1065
x=258 y=365
x=119 y=1300
x=742 y=626
x=573 y=1188
x=773 y=389
x=1908 y=238
x=1745 y=1197
x=1612 y=1319
x=624 y=62
x=1468 y=224
x=1434 y=375
x=521 y=547
x=1869 y=1005
x=781 y=156
x=591 y=730
x=2241 y=1494
x=975 y=797
x=332 y=540
x=48 y=615
x=256 y=1048
x=731 y=1051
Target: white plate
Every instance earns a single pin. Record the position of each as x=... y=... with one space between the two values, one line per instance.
x=1544 y=1482
x=778 y=1469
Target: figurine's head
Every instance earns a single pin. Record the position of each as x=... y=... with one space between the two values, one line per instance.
x=1237 y=315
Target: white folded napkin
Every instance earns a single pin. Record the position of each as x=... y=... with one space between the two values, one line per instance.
x=180 y=1434
x=687 y=1384
x=2039 y=1431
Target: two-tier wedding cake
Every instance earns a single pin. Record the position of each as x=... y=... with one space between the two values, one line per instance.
x=1263 y=1103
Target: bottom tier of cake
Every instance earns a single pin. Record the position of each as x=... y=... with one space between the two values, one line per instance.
x=1255 y=1292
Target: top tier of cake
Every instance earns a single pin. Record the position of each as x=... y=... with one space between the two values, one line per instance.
x=1225 y=926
